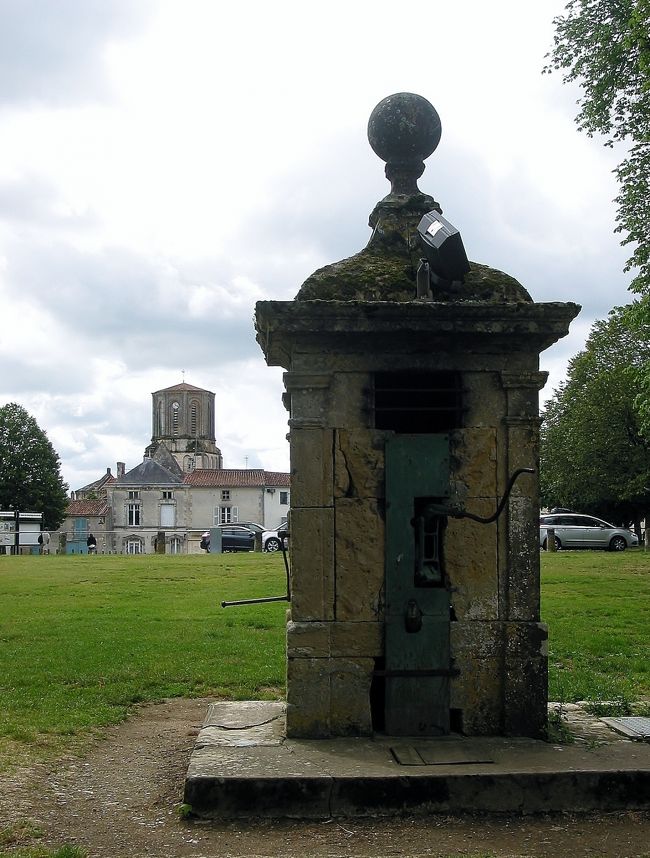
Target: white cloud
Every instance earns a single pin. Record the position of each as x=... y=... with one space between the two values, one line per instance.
x=53 y=52
x=165 y=165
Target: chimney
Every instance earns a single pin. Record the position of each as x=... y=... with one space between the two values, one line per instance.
x=108 y=472
x=121 y=469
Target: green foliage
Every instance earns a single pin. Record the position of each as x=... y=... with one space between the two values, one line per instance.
x=557 y=729
x=30 y=477
x=595 y=455
x=185 y=811
x=620 y=706
x=604 y=46
x=638 y=318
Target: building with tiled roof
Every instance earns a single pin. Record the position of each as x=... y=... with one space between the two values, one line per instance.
x=84 y=516
x=238 y=477
x=178 y=491
x=149 y=473
x=97 y=489
x=91 y=508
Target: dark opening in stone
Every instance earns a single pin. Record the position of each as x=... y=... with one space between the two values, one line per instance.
x=418 y=402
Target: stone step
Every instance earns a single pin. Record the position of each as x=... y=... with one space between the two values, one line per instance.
x=243 y=766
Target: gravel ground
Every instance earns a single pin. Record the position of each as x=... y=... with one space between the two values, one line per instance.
x=121 y=798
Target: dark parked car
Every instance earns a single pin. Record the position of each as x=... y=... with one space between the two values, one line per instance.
x=270 y=538
x=236 y=537
x=573 y=530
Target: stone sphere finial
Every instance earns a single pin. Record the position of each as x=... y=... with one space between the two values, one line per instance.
x=403 y=130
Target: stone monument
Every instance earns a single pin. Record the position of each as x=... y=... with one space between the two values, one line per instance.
x=413 y=403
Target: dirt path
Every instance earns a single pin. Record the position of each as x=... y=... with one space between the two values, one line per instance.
x=121 y=799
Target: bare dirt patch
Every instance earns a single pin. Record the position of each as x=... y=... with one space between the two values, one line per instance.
x=121 y=798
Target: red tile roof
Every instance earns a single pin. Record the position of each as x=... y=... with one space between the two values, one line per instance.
x=87 y=507
x=236 y=478
x=277 y=479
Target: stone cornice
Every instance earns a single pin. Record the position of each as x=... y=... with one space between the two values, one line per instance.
x=306 y=380
x=307 y=423
x=523 y=420
x=355 y=325
x=514 y=380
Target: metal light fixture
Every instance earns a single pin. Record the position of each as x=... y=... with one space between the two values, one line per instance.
x=446 y=260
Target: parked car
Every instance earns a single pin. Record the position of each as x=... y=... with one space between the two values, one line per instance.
x=574 y=530
x=270 y=538
x=236 y=537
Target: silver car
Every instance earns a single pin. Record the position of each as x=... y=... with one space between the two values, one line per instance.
x=573 y=530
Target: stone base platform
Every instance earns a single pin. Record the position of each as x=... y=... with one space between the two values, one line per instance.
x=243 y=766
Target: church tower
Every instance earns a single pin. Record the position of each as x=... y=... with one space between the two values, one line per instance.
x=183 y=428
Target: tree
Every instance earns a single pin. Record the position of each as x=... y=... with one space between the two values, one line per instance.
x=30 y=477
x=594 y=457
x=604 y=45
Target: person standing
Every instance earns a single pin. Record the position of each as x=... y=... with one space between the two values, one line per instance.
x=91 y=542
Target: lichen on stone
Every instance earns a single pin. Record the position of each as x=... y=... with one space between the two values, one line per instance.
x=366 y=276
x=376 y=276
x=386 y=269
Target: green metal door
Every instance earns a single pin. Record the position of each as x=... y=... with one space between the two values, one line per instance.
x=417 y=599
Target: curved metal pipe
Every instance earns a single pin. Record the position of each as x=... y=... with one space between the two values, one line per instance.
x=502 y=503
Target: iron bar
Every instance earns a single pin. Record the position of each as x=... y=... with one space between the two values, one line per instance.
x=282 y=535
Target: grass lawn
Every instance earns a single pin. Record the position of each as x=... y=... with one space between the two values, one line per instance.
x=597 y=606
x=82 y=639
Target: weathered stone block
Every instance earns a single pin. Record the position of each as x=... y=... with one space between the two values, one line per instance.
x=477 y=653
x=309 y=404
x=471 y=564
x=359 y=463
x=477 y=693
x=328 y=697
x=355 y=640
x=312 y=467
x=473 y=458
x=312 y=564
x=485 y=400
x=484 y=641
x=350 y=697
x=523 y=450
x=359 y=559
x=308 y=640
x=526 y=679
x=351 y=400
x=523 y=578
x=522 y=390
x=308 y=698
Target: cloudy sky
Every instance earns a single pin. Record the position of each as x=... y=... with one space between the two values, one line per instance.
x=166 y=163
